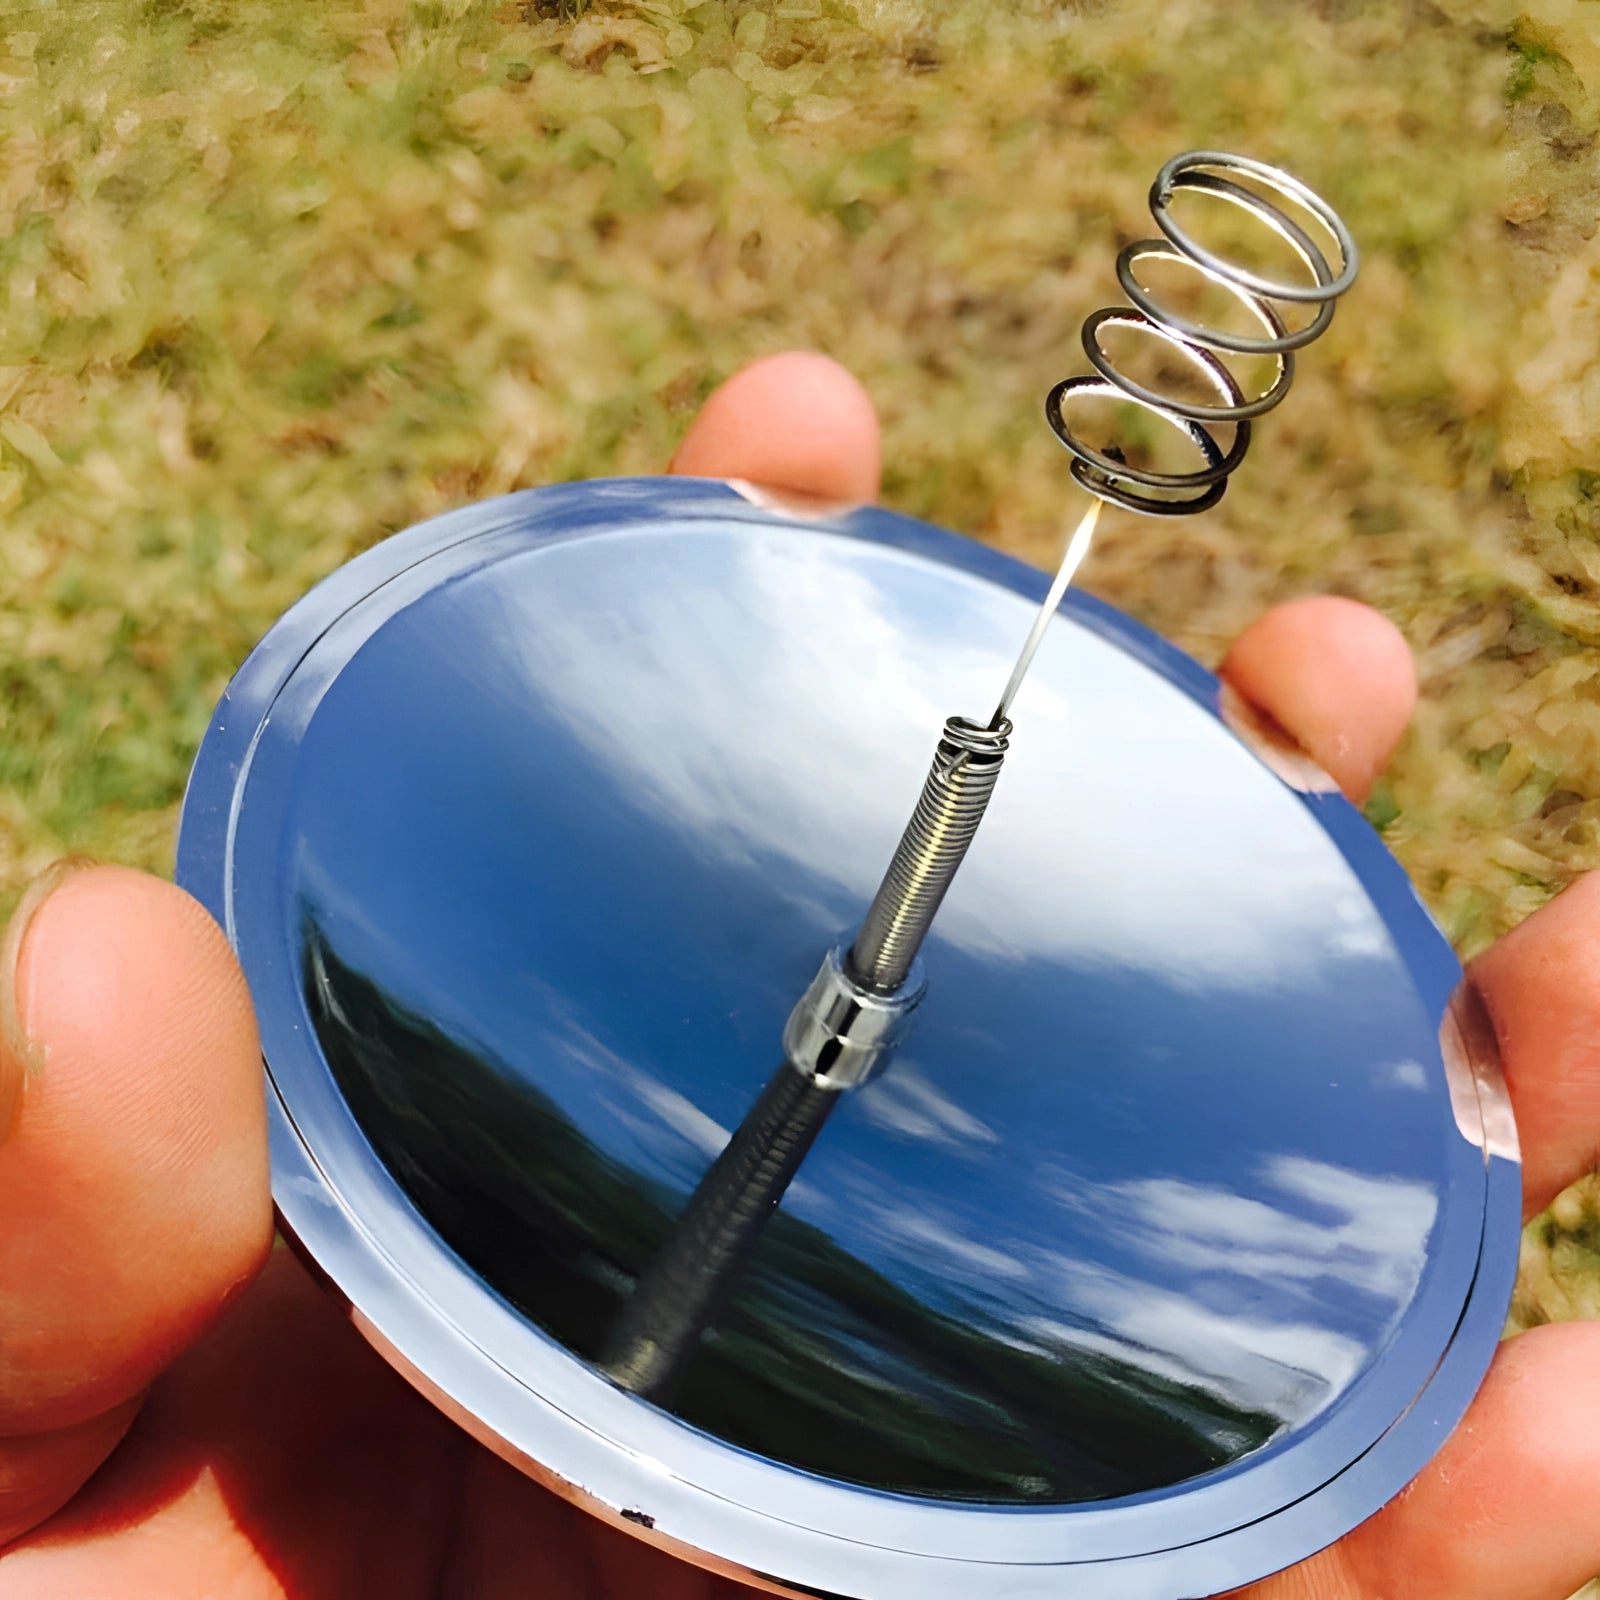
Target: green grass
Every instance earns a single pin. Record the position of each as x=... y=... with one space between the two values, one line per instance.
x=279 y=280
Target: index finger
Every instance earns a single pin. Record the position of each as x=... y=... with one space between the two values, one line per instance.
x=797 y=421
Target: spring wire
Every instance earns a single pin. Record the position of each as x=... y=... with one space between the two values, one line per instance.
x=966 y=764
x=1107 y=475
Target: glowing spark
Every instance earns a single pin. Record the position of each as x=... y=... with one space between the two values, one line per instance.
x=1077 y=549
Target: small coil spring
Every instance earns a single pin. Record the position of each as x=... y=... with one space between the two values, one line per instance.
x=966 y=765
x=1113 y=479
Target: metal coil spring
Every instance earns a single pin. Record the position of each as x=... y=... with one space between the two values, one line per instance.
x=1108 y=476
x=966 y=765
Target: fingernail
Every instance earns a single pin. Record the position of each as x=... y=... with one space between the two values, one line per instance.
x=19 y=1054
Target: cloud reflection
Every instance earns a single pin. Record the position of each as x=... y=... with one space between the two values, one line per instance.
x=685 y=1118
x=819 y=687
x=1363 y=1232
x=1286 y=1368
x=1405 y=1075
x=1243 y=1298
x=905 y=1103
x=939 y=1245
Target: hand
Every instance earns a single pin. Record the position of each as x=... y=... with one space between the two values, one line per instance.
x=184 y=1415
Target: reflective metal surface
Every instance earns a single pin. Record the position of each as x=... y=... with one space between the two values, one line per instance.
x=1159 y=1230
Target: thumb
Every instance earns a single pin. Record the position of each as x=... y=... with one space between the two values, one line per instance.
x=133 y=1180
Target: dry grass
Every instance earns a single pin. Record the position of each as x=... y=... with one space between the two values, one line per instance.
x=281 y=279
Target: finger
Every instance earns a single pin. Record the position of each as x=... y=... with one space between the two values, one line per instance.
x=41 y=1472
x=277 y=1457
x=1507 y=1506
x=280 y=1456
x=797 y=422
x=511 y=1527
x=1541 y=985
x=1337 y=676
x=133 y=1182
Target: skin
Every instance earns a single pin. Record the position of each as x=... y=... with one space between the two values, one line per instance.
x=183 y=1414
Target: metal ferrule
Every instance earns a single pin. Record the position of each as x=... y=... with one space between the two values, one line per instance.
x=966 y=765
x=841 y=1034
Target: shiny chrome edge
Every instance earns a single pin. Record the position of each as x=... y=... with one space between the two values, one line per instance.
x=1470 y=1049
x=1271 y=744
x=791 y=504
x=841 y=1035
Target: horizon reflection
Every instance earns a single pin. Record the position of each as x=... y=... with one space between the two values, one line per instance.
x=567 y=840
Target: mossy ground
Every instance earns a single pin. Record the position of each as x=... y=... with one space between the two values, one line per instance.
x=281 y=279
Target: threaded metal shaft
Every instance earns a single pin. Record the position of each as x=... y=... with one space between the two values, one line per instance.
x=966 y=765
x=687 y=1284
x=685 y=1287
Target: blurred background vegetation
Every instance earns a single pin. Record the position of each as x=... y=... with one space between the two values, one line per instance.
x=281 y=279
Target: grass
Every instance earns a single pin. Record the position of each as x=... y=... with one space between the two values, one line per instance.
x=279 y=280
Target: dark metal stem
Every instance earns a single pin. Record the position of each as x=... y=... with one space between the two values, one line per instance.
x=686 y=1287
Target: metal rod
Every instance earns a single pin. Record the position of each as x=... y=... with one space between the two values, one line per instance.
x=1077 y=549
x=955 y=796
x=848 y=1021
x=838 y=1035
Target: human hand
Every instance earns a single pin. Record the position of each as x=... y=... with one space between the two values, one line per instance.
x=183 y=1417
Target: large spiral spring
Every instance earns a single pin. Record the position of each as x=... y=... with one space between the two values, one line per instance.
x=1106 y=474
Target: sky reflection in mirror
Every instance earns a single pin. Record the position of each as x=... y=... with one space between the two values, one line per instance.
x=570 y=835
